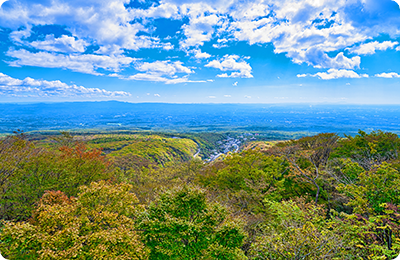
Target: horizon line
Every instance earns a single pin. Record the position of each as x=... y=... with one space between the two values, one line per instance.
x=195 y=103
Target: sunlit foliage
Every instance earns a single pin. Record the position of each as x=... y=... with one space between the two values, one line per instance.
x=182 y=224
x=296 y=230
x=29 y=171
x=144 y=196
x=98 y=224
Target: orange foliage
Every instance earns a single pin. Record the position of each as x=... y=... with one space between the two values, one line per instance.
x=80 y=151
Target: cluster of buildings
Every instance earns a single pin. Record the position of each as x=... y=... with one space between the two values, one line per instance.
x=230 y=144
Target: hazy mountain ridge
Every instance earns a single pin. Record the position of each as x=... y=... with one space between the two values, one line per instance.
x=198 y=117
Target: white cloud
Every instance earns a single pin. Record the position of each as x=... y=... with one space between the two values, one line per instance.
x=230 y=63
x=227 y=96
x=63 y=44
x=17 y=36
x=164 y=10
x=203 y=20
x=163 y=71
x=157 y=95
x=42 y=88
x=388 y=75
x=306 y=31
x=372 y=47
x=301 y=29
x=246 y=96
x=319 y=59
x=183 y=79
x=200 y=55
x=335 y=74
x=163 y=67
x=221 y=43
x=235 y=84
x=87 y=63
x=212 y=97
x=107 y=23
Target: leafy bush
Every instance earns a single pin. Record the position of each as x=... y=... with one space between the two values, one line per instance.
x=182 y=224
x=98 y=224
x=36 y=170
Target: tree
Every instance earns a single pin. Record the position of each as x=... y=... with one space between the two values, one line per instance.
x=147 y=181
x=248 y=178
x=369 y=149
x=373 y=229
x=182 y=224
x=98 y=224
x=296 y=230
x=372 y=237
x=31 y=171
x=307 y=157
x=15 y=153
x=373 y=188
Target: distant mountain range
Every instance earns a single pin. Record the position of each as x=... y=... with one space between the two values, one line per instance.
x=198 y=117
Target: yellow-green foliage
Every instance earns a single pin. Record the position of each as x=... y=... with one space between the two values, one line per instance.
x=154 y=148
x=247 y=178
x=182 y=224
x=148 y=181
x=262 y=145
x=98 y=224
x=296 y=230
x=357 y=215
x=29 y=171
x=379 y=185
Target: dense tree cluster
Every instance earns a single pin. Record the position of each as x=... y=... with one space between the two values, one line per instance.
x=318 y=197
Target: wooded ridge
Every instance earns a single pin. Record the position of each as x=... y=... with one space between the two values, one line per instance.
x=144 y=196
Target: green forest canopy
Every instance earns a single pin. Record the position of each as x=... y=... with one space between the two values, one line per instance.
x=146 y=197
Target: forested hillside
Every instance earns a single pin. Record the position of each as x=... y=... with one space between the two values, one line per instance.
x=151 y=196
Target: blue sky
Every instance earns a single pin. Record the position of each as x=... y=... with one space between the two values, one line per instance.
x=183 y=51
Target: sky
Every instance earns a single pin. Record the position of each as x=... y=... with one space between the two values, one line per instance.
x=200 y=51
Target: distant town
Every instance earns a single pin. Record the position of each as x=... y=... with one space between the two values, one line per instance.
x=231 y=144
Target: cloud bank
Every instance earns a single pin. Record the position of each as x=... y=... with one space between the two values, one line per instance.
x=42 y=88
x=114 y=37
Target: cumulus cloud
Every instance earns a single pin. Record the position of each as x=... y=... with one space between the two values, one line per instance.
x=335 y=74
x=200 y=55
x=221 y=43
x=86 y=63
x=231 y=63
x=63 y=44
x=107 y=23
x=319 y=59
x=201 y=27
x=42 y=88
x=306 y=31
x=372 y=47
x=388 y=75
x=163 y=67
x=163 y=71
